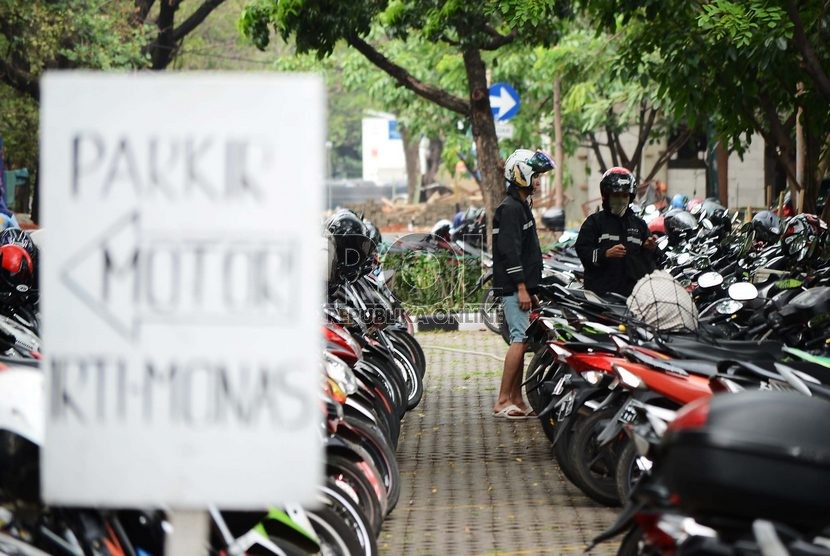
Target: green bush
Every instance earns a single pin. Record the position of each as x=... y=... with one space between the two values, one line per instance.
x=434 y=282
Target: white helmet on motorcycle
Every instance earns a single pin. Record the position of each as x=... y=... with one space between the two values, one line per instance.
x=523 y=165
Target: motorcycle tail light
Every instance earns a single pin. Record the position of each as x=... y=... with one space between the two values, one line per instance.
x=693 y=415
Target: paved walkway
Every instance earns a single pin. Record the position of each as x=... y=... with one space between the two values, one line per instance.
x=473 y=484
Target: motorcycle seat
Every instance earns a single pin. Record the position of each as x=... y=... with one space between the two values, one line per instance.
x=690 y=348
x=696 y=366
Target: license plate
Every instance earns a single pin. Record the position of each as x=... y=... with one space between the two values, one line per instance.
x=629 y=415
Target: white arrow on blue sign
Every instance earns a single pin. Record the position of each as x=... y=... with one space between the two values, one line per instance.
x=504 y=101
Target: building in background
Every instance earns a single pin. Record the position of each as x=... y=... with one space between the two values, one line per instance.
x=383 y=155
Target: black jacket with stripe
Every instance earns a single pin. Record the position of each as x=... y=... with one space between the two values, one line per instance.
x=517 y=256
x=601 y=231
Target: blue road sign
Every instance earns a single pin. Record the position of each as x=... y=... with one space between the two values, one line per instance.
x=504 y=101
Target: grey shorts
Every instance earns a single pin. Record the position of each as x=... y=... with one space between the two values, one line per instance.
x=517 y=320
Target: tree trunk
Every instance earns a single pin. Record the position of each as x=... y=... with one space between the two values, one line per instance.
x=812 y=179
x=411 y=155
x=484 y=133
x=722 y=157
x=558 y=151
x=436 y=149
x=36 y=194
x=163 y=48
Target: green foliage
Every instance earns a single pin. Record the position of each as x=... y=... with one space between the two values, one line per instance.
x=431 y=282
x=47 y=34
x=71 y=33
x=745 y=22
x=18 y=126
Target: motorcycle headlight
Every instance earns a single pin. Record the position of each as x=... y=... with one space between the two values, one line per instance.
x=592 y=377
x=339 y=372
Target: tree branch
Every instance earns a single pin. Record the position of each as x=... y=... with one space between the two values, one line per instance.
x=195 y=19
x=450 y=41
x=143 y=8
x=624 y=160
x=18 y=79
x=497 y=39
x=595 y=146
x=672 y=148
x=777 y=136
x=406 y=79
x=811 y=61
x=642 y=137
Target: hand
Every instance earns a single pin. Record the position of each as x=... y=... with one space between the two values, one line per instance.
x=616 y=252
x=524 y=298
x=650 y=243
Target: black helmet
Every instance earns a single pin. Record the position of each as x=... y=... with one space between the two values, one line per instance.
x=802 y=236
x=16 y=269
x=712 y=209
x=374 y=233
x=616 y=180
x=353 y=246
x=16 y=236
x=677 y=222
x=768 y=226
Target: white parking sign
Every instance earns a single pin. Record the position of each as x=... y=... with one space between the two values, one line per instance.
x=181 y=287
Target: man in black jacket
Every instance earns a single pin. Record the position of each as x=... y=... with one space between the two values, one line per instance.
x=517 y=270
x=615 y=245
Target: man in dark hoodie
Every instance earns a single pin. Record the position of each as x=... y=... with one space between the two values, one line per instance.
x=517 y=270
x=615 y=245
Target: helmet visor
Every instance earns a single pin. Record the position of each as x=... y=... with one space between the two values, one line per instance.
x=541 y=163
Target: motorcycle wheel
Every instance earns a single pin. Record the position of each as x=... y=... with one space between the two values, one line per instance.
x=561 y=450
x=415 y=348
x=371 y=438
x=633 y=543
x=595 y=466
x=628 y=471
x=347 y=474
x=343 y=505
x=334 y=533
x=491 y=311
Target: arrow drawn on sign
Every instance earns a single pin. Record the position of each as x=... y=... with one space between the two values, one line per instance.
x=130 y=276
x=88 y=265
x=504 y=102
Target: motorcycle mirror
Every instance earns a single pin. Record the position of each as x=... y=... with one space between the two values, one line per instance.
x=684 y=259
x=788 y=284
x=728 y=306
x=706 y=223
x=710 y=280
x=662 y=243
x=743 y=291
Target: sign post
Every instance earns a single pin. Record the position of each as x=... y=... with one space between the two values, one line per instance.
x=504 y=101
x=180 y=289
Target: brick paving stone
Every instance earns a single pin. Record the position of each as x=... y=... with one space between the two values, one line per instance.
x=473 y=484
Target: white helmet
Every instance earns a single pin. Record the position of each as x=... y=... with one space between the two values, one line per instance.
x=523 y=165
